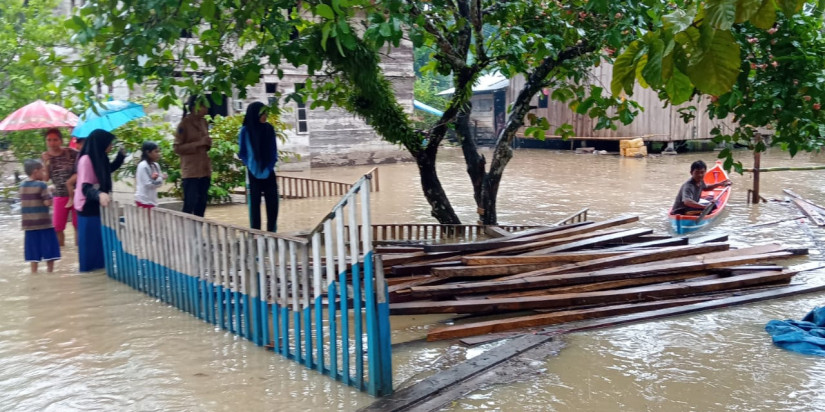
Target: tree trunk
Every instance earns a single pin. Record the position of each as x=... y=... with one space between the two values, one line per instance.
x=440 y=206
x=475 y=162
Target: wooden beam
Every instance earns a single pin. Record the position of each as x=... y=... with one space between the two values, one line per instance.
x=591 y=242
x=424 y=268
x=571 y=257
x=672 y=241
x=592 y=287
x=552 y=318
x=773 y=293
x=490 y=270
x=810 y=211
x=545 y=234
x=496 y=232
x=634 y=258
x=639 y=294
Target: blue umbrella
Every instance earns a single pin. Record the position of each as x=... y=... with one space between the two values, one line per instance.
x=107 y=116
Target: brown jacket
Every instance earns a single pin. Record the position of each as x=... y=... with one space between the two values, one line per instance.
x=192 y=142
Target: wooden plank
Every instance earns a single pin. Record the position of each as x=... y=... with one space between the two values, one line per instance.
x=774 y=293
x=392 y=259
x=397 y=249
x=672 y=241
x=552 y=318
x=407 y=398
x=820 y=208
x=591 y=242
x=496 y=232
x=527 y=247
x=422 y=268
x=589 y=298
x=592 y=287
x=810 y=211
x=545 y=234
x=535 y=242
x=571 y=257
x=711 y=238
x=492 y=337
x=634 y=258
x=490 y=270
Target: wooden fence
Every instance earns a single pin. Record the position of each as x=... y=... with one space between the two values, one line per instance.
x=320 y=301
x=300 y=187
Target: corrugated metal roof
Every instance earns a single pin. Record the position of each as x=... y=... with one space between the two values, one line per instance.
x=485 y=83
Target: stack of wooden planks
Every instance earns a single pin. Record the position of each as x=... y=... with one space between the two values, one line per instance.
x=581 y=271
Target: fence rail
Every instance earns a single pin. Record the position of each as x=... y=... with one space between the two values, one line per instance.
x=301 y=187
x=320 y=301
x=434 y=232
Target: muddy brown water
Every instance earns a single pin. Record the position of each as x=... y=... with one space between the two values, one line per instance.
x=71 y=341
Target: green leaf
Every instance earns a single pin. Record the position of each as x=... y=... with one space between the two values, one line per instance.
x=385 y=29
x=766 y=16
x=678 y=87
x=336 y=5
x=325 y=34
x=678 y=20
x=325 y=11
x=791 y=7
x=717 y=69
x=721 y=14
x=745 y=9
x=208 y=9
x=624 y=70
x=652 y=70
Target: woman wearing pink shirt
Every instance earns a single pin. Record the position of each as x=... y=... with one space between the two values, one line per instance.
x=94 y=184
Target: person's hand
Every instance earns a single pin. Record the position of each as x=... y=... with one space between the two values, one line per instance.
x=70 y=203
x=708 y=197
x=154 y=175
x=104 y=199
x=47 y=202
x=727 y=182
x=122 y=152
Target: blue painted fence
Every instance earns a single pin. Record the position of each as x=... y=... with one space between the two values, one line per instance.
x=320 y=301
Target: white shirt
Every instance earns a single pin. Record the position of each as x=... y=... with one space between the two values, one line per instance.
x=147 y=188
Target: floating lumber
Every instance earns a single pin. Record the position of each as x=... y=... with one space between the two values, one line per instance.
x=496 y=232
x=627 y=258
x=718 y=237
x=592 y=287
x=622 y=236
x=793 y=194
x=553 y=318
x=640 y=294
x=810 y=211
x=541 y=235
x=633 y=259
x=671 y=241
x=554 y=258
x=575 y=278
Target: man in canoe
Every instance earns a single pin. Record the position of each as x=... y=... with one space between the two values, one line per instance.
x=687 y=200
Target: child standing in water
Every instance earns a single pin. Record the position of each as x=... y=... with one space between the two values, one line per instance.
x=41 y=239
x=148 y=177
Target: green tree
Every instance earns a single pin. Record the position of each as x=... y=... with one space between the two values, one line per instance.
x=30 y=35
x=760 y=61
x=340 y=42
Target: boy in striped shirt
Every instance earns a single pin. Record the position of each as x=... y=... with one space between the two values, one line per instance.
x=35 y=198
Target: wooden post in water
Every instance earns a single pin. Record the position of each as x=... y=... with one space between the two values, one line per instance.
x=756 y=158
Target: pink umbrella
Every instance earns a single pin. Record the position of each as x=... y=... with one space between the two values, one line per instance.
x=38 y=115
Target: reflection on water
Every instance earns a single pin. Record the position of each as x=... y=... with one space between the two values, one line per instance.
x=72 y=341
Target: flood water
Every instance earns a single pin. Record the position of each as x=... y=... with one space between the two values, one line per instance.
x=71 y=341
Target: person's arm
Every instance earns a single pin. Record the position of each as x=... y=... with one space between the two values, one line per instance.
x=115 y=164
x=688 y=193
x=144 y=177
x=45 y=195
x=46 y=159
x=182 y=145
x=727 y=182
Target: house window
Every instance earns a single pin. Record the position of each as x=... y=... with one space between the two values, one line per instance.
x=271 y=93
x=303 y=126
x=543 y=98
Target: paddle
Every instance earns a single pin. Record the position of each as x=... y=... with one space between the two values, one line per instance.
x=710 y=205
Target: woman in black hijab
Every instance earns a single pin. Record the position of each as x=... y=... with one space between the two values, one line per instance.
x=258 y=149
x=94 y=184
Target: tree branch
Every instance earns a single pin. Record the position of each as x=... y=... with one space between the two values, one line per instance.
x=449 y=53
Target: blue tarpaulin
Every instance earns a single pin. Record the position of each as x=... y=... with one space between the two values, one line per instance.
x=804 y=336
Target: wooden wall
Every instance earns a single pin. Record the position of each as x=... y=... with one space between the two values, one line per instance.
x=655 y=123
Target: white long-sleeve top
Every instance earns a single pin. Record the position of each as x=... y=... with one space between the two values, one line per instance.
x=147 y=188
